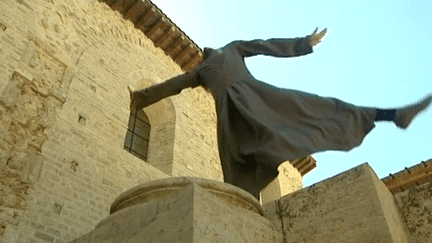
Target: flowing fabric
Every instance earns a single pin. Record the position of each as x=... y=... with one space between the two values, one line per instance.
x=260 y=126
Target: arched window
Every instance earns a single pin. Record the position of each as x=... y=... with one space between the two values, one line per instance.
x=138 y=134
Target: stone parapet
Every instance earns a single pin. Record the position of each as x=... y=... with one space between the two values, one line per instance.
x=354 y=206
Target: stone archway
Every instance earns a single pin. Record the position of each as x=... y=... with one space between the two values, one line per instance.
x=162 y=119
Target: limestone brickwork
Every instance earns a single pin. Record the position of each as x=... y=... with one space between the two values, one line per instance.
x=64 y=109
x=184 y=209
x=415 y=206
x=289 y=180
x=354 y=206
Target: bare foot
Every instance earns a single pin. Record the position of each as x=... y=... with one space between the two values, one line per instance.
x=405 y=115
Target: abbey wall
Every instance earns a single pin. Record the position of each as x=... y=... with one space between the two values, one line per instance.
x=415 y=206
x=64 y=109
x=64 y=116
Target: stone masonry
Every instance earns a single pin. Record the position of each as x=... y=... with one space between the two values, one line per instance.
x=64 y=110
x=416 y=209
x=354 y=206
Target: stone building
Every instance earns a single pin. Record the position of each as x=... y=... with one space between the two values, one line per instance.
x=70 y=148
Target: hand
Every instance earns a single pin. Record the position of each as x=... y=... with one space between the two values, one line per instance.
x=132 y=97
x=140 y=98
x=316 y=38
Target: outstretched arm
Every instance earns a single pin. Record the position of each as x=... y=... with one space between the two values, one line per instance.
x=145 y=97
x=280 y=47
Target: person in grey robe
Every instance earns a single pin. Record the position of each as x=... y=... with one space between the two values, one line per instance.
x=259 y=126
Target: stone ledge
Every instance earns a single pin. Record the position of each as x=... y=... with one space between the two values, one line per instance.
x=159 y=189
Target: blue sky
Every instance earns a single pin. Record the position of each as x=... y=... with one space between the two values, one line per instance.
x=376 y=53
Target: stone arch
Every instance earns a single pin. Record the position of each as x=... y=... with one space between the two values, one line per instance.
x=162 y=117
x=107 y=92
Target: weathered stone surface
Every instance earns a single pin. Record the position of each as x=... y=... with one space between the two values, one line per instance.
x=415 y=206
x=64 y=107
x=11 y=235
x=215 y=222
x=289 y=180
x=64 y=69
x=184 y=210
x=353 y=206
x=28 y=106
x=159 y=189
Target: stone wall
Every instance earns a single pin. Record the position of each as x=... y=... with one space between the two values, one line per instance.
x=29 y=106
x=184 y=209
x=64 y=110
x=289 y=180
x=415 y=206
x=354 y=206
x=64 y=69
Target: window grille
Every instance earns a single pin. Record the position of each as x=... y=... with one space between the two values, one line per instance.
x=138 y=134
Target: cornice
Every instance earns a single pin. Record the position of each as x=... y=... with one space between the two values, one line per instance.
x=148 y=18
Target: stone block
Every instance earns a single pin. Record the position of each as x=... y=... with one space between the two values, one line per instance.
x=288 y=180
x=415 y=206
x=354 y=206
x=184 y=209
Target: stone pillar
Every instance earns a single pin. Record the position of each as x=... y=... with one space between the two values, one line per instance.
x=354 y=206
x=184 y=209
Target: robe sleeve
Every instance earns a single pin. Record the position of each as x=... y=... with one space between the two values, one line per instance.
x=277 y=47
x=172 y=86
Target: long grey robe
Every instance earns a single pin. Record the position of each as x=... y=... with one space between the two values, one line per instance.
x=260 y=126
